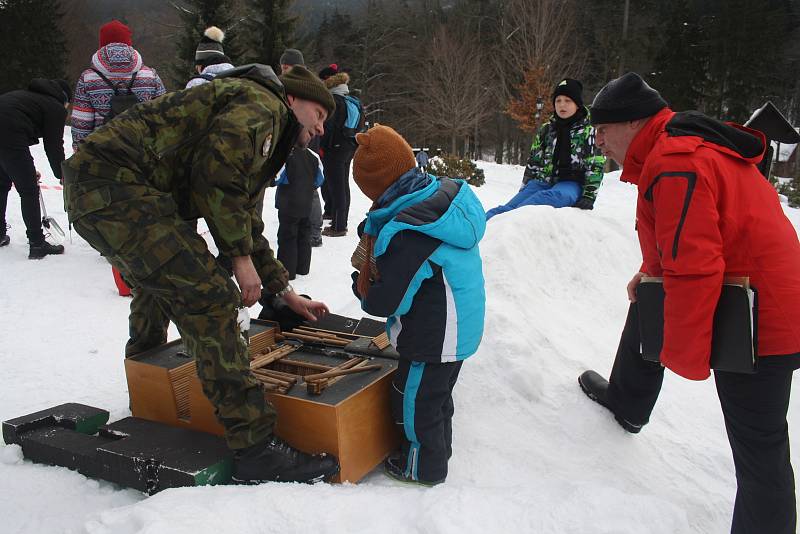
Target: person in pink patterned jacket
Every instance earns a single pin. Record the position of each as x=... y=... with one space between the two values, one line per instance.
x=117 y=61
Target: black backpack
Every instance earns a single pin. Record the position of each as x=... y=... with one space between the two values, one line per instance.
x=120 y=101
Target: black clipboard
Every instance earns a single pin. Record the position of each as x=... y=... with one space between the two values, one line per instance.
x=734 y=339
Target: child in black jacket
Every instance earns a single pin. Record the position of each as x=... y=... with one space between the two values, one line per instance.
x=297 y=184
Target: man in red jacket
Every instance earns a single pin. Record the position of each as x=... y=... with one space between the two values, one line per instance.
x=705 y=212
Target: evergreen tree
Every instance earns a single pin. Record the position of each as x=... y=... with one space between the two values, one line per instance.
x=682 y=60
x=745 y=60
x=33 y=41
x=269 y=29
x=196 y=16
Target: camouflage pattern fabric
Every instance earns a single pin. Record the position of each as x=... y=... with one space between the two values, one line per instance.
x=585 y=156
x=212 y=148
x=147 y=324
x=205 y=152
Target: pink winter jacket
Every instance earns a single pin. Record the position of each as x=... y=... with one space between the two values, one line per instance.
x=92 y=100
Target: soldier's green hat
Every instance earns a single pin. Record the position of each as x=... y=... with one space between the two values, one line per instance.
x=302 y=83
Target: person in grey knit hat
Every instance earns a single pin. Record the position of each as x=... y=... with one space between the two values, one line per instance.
x=290 y=58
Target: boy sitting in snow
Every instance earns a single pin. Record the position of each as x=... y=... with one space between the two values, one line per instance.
x=564 y=167
x=421 y=269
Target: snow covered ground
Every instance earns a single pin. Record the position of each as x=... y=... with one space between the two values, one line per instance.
x=531 y=452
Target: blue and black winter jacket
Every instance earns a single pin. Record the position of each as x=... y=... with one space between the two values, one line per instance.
x=431 y=285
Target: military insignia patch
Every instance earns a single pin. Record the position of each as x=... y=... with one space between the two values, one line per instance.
x=267 y=146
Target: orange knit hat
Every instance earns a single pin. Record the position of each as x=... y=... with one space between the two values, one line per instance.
x=382 y=157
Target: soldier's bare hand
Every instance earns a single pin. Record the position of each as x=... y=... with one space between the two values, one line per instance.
x=633 y=284
x=247 y=277
x=310 y=309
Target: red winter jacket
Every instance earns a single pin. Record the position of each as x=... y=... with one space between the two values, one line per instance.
x=705 y=212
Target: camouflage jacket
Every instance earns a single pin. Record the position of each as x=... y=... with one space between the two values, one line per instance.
x=586 y=159
x=212 y=147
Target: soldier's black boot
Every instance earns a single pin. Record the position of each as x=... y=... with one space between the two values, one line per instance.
x=42 y=248
x=273 y=460
x=596 y=388
x=4 y=240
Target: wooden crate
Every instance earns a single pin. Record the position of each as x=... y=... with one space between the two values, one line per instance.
x=350 y=419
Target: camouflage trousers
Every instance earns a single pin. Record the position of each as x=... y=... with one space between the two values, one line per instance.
x=174 y=277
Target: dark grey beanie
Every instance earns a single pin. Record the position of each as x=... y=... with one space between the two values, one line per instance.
x=292 y=56
x=626 y=98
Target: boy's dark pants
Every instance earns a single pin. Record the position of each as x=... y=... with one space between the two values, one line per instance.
x=422 y=402
x=294 y=244
x=754 y=407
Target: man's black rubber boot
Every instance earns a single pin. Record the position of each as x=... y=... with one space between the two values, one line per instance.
x=274 y=460
x=4 y=240
x=596 y=388
x=42 y=249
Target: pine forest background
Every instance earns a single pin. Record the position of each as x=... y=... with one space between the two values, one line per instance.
x=461 y=75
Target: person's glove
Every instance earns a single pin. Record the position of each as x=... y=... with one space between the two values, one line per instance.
x=585 y=203
x=354 y=276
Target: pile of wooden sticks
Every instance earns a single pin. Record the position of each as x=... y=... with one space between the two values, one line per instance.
x=264 y=352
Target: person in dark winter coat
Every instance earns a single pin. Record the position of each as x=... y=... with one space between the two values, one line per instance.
x=209 y=58
x=27 y=115
x=296 y=188
x=422 y=159
x=337 y=153
x=290 y=58
x=564 y=167
x=422 y=269
x=115 y=62
x=704 y=212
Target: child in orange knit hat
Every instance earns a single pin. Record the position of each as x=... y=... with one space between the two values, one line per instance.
x=422 y=270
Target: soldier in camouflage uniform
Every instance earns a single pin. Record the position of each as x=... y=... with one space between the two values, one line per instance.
x=564 y=167
x=206 y=152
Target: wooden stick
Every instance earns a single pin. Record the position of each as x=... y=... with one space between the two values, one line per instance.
x=340 y=372
x=334 y=332
x=307 y=365
x=270 y=357
x=279 y=374
x=269 y=379
x=316 y=333
x=314 y=339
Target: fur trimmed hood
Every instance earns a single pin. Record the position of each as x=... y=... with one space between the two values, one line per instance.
x=341 y=78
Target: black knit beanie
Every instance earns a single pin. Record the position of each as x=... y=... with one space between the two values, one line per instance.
x=626 y=98
x=328 y=71
x=570 y=88
x=301 y=82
